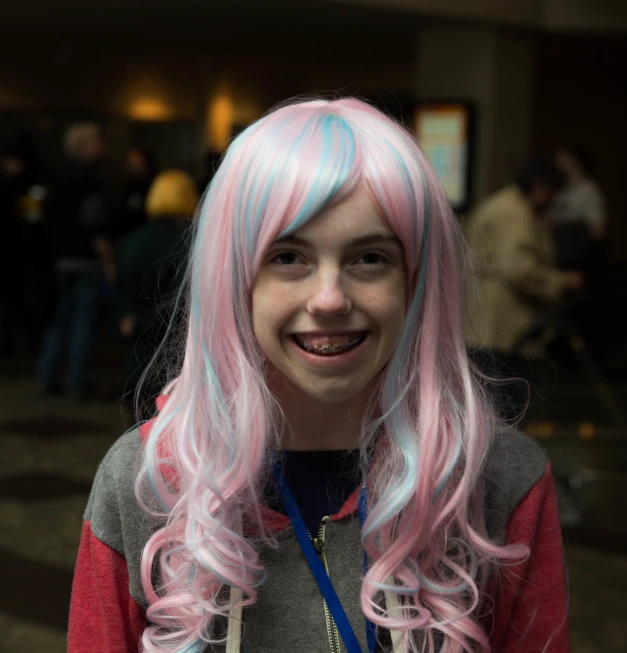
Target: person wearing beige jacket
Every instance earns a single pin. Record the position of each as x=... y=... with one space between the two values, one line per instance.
x=514 y=275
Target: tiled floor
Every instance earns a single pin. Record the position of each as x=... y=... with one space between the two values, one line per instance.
x=50 y=451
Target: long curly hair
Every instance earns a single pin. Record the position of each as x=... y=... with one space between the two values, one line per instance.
x=209 y=451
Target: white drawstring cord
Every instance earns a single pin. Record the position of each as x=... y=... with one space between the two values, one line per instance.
x=394 y=606
x=234 y=626
x=234 y=629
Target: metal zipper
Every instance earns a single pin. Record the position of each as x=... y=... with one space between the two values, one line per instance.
x=318 y=543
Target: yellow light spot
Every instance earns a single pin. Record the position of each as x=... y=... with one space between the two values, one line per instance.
x=220 y=118
x=541 y=429
x=149 y=108
x=587 y=430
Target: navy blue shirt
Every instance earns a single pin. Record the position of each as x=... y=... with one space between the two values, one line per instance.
x=321 y=482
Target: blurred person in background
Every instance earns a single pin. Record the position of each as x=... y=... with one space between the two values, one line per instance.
x=37 y=273
x=79 y=223
x=24 y=291
x=515 y=278
x=141 y=169
x=13 y=180
x=151 y=261
x=578 y=212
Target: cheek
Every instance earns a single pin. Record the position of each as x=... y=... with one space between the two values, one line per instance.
x=387 y=307
x=271 y=309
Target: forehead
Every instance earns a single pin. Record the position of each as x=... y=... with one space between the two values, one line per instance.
x=354 y=217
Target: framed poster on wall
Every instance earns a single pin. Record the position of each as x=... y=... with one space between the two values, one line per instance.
x=444 y=131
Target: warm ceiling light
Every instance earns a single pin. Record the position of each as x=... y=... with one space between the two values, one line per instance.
x=147 y=108
x=220 y=117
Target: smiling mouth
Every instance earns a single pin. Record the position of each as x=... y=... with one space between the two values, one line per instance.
x=332 y=345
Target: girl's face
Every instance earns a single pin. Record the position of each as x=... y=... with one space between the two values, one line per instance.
x=328 y=302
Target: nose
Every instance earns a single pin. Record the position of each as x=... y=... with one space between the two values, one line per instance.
x=328 y=296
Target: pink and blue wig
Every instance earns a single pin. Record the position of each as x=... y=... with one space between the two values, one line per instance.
x=208 y=453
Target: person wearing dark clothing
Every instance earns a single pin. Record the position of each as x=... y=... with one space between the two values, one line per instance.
x=141 y=169
x=24 y=268
x=12 y=171
x=150 y=263
x=79 y=217
x=579 y=215
x=37 y=301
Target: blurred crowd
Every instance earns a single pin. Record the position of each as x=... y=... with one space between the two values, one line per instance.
x=74 y=256
x=536 y=246
x=72 y=251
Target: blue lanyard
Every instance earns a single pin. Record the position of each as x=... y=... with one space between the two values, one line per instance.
x=317 y=568
x=362 y=507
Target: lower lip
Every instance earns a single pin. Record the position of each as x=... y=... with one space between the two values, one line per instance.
x=335 y=360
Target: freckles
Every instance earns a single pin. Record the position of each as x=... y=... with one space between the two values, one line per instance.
x=284 y=300
x=383 y=302
x=376 y=301
x=275 y=305
x=369 y=302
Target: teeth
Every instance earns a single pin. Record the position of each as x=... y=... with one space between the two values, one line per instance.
x=328 y=349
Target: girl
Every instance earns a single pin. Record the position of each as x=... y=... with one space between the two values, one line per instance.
x=325 y=472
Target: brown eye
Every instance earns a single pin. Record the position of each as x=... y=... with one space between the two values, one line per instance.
x=372 y=258
x=286 y=258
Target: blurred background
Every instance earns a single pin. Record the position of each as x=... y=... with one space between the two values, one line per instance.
x=113 y=116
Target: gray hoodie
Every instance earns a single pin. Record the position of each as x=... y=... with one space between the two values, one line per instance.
x=289 y=614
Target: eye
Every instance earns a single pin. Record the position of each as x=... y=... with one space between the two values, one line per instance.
x=285 y=259
x=371 y=259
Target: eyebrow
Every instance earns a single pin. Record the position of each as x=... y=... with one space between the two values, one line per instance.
x=368 y=239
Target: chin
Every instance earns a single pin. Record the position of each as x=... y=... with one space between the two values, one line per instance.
x=329 y=392
x=334 y=389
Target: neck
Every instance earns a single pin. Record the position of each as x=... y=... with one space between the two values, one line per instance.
x=312 y=425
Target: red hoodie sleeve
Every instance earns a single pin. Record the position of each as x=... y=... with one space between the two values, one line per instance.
x=103 y=615
x=531 y=600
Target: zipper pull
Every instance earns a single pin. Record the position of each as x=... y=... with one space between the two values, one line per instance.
x=318 y=542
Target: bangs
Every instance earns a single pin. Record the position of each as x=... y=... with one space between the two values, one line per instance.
x=394 y=174
x=295 y=168
x=294 y=163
